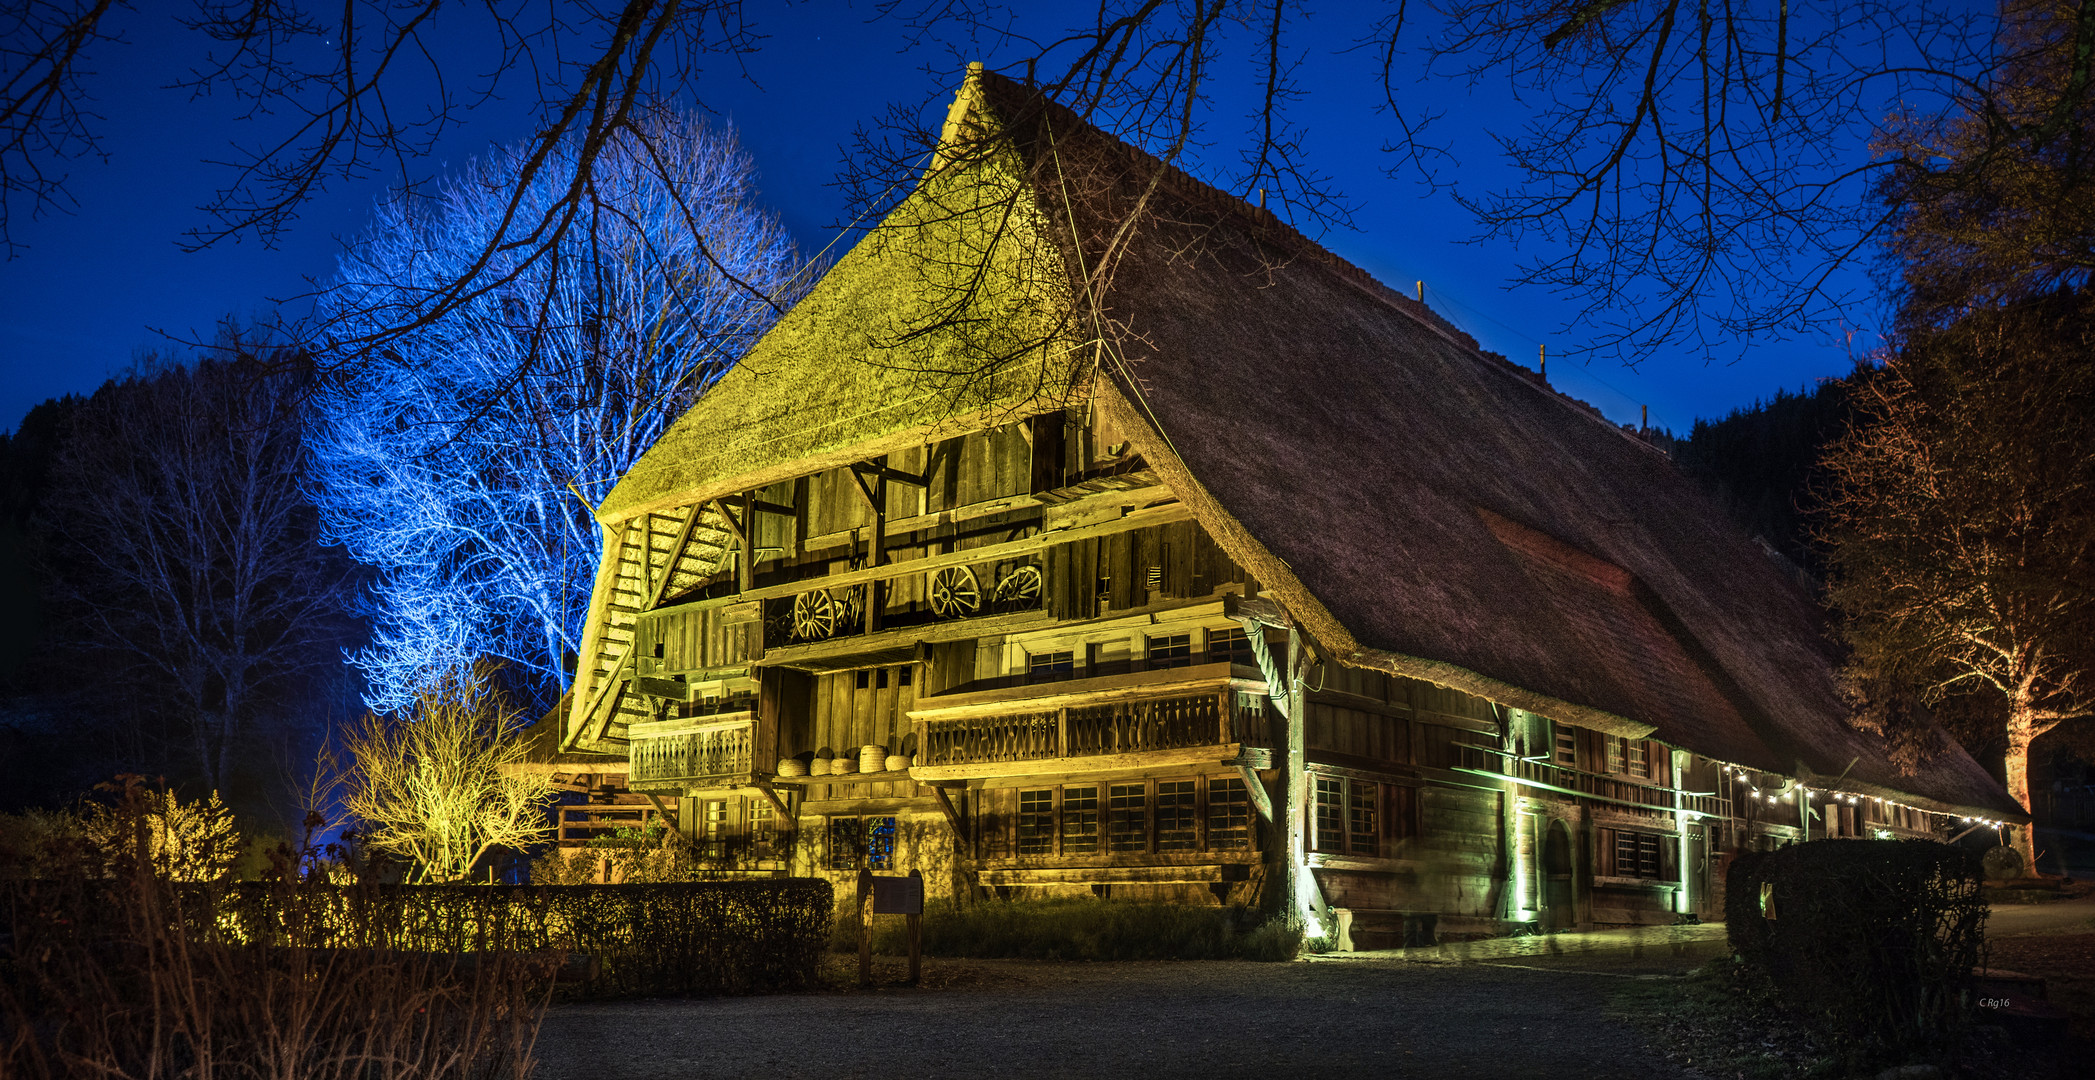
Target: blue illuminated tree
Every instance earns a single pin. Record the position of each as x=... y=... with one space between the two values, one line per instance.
x=463 y=463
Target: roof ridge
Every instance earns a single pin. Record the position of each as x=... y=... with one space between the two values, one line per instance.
x=1268 y=227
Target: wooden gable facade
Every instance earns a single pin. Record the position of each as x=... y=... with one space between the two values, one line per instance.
x=940 y=579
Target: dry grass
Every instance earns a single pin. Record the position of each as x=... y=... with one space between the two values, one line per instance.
x=110 y=968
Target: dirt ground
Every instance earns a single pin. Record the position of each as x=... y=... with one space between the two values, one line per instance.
x=1355 y=1017
x=1512 y=1008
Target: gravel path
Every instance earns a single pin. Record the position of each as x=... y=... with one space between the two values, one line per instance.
x=1141 y=1021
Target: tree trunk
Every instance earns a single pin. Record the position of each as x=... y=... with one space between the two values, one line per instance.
x=2022 y=731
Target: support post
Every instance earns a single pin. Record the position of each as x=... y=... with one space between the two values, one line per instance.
x=1300 y=886
x=1685 y=902
x=916 y=934
x=865 y=930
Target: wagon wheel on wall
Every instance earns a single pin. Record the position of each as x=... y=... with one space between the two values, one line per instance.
x=851 y=608
x=814 y=616
x=1018 y=589
x=955 y=593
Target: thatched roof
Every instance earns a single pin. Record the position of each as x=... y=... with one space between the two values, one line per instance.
x=888 y=346
x=1417 y=505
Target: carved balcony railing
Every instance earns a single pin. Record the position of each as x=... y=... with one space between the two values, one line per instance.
x=712 y=751
x=1492 y=761
x=1092 y=730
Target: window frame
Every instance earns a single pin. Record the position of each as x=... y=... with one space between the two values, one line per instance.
x=1030 y=814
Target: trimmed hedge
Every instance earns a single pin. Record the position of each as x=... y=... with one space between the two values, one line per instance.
x=652 y=940
x=1872 y=940
x=1085 y=929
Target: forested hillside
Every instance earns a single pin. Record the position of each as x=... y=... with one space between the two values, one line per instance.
x=1761 y=462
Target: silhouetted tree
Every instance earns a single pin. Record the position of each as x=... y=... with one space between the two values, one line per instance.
x=188 y=589
x=1695 y=170
x=1761 y=462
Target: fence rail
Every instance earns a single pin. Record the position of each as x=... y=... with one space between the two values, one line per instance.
x=715 y=750
x=1120 y=728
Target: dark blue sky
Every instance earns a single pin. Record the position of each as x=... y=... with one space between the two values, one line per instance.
x=97 y=285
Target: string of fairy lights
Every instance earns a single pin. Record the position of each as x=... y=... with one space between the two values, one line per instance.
x=1786 y=792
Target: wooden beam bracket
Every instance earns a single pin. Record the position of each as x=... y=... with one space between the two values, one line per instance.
x=953 y=817
x=779 y=811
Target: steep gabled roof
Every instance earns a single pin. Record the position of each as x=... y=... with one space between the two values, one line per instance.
x=1419 y=506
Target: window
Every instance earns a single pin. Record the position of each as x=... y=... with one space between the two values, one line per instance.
x=1617 y=754
x=1230 y=645
x=1170 y=651
x=1331 y=814
x=1639 y=765
x=862 y=843
x=1637 y=854
x=1127 y=817
x=1229 y=814
x=903 y=675
x=1361 y=836
x=863 y=681
x=1567 y=746
x=1177 y=819
x=1079 y=820
x=1036 y=822
x=764 y=831
x=713 y=824
x=1348 y=816
x=846 y=842
x=1046 y=667
x=1163 y=816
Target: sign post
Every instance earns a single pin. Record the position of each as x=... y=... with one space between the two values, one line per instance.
x=890 y=896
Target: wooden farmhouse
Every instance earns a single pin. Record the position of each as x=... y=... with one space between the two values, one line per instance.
x=1186 y=562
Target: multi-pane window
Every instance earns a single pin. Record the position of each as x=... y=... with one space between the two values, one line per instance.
x=1361 y=835
x=1036 y=822
x=1230 y=645
x=1079 y=820
x=764 y=828
x=1331 y=814
x=1163 y=816
x=880 y=843
x=1636 y=854
x=846 y=842
x=1617 y=754
x=1127 y=817
x=1229 y=814
x=1348 y=816
x=862 y=843
x=1049 y=666
x=1639 y=764
x=1170 y=651
x=1567 y=746
x=1178 y=827
x=713 y=828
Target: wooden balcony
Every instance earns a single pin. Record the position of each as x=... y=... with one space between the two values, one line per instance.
x=1190 y=729
x=1491 y=761
x=676 y=755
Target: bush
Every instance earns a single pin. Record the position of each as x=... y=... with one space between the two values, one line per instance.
x=118 y=957
x=1873 y=941
x=682 y=939
x=2002 y=863
x=115 y=960
x=1083 y=929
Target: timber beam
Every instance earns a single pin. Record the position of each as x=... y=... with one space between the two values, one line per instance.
x=1166 y=514
x=953 y=816
x=779 y=810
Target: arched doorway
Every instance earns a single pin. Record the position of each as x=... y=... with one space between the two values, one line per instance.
x=1557 y=913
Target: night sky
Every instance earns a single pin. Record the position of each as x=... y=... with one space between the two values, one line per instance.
x=100 y=284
